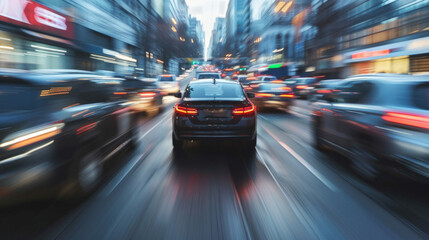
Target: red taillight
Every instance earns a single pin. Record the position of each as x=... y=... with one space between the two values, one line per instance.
x=407 y=119
x=324 y=91
x=185 y=110
x=262 y=95
x=302 y=87
x=249 y=110
x=254 y=85
x=248 y=88
x=286 y=88
x=120 y=93
x=147 y=94
x=289 y=95
x=277 y=81
x=223 y=75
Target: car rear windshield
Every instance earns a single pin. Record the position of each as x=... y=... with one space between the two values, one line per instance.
x=270 y=78
x=242 y=79
x=210 y=90
x=166 y=79
x=208 y=76
x=18 y=98
x=421 y=96
x=271 y=87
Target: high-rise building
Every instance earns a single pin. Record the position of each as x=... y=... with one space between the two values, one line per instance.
x=238 y=22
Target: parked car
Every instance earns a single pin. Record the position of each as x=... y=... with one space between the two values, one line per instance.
x=56 y=132
x=143 y=95
x=168 y=84
x=214 y=110
x=381 y=122
x=273 y=95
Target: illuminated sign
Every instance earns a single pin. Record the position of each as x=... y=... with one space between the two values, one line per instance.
x=370 y=54
x=35 y=16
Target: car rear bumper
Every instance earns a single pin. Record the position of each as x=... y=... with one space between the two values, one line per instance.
x=215 y=135
x=273 y=103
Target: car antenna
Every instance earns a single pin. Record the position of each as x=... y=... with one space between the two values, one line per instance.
x=214 y=80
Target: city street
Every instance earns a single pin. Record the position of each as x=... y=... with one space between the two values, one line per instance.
x=284 y=190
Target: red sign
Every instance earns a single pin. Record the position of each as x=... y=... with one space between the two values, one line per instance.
x=366 y=54
x=35 y=16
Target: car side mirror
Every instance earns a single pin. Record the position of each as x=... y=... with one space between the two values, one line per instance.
x=250 y=95
x=178 y=94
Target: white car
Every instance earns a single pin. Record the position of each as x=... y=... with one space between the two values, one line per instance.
x=267 y=78
x=168 y=84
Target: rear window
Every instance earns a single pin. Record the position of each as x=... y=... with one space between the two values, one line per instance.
x=208 y=76
x=270 y=78
x=242 y=79
x=421 y=96
x=166 y=78
x=214 y=91
x=271 y=87
x=18 y=98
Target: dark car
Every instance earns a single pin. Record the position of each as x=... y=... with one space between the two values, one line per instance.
x=214 y=109
x=381 y=122
x=304 y=86
x=250 y=85
x=56 y=131
x=324 y=89
x=142 y=95
x=273 y=95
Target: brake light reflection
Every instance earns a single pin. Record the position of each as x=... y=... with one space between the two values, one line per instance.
x=262 y=95
x=407 y=119
x=147 y=94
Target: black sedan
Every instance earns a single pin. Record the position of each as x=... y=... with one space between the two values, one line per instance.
x=56 y=131
x=273 y=95
x=214 y=109
x=381 y=122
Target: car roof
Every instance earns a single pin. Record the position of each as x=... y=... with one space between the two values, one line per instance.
x=212 y=81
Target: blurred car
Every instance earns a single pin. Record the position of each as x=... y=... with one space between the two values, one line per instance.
x=56 y=132
x=227 y=73
x=381 y=122
x=250 y=85
x=267 y=78
x=143 y=95
x=273 y=95
x=214 y=109
x=168 y=84
x=207 y=75
x=324 y=89
x=304 y=86
x=240 y=78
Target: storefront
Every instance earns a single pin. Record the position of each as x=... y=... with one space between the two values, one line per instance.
x=33 y=36
x=407 y=57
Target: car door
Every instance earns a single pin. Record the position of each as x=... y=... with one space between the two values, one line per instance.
x=351 y=111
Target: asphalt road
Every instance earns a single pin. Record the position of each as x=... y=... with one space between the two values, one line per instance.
x=284 y=190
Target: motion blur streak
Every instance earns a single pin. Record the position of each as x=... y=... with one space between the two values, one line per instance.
x=214 y=119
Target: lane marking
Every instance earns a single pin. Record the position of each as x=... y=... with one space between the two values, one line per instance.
x=131 y=165
x=300 y=159
x=156 y=125
x=307 y=225
x=243 y=217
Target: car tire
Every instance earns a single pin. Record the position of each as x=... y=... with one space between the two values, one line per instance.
x=252 y=143
x=87 y=172
x=177 y=144
x=318 y=138
x=365 y=163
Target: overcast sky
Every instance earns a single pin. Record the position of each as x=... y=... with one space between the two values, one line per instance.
x=207 y=11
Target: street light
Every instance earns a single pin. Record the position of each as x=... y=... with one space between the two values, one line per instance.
x=174 y=29
x=174 y=21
